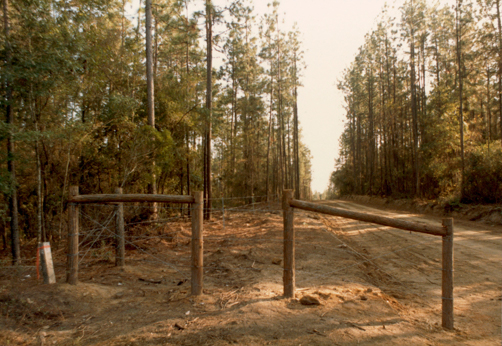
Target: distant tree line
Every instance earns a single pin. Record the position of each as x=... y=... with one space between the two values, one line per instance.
x=423 y=102
x=74 y=107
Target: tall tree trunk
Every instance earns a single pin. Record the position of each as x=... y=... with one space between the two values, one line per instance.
x=371 y=161
x=499 y=26
x=403 y=146
x=209 y=105
x=383 y=137
x=11 y=167
x=149 y=64
x=150 y=92
x=414 y=112
x=460 y=88
x=424 y=95
x=296 y=149
x=156 y=48
x=280 y=117
x=359 y=153
x=289 y=177
x=296 y=145
x=269 y=141
x=187 y=129
x=41 y=237
x=488 y=108
x=280 y=135
x=234 y=116
x=353 y=145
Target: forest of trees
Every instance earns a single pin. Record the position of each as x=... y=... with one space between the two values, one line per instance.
x=75 y=105
x=423 y=100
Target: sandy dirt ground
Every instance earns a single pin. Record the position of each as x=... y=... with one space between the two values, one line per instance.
x=374 y=286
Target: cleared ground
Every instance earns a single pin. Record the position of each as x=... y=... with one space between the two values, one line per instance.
x=375 y=285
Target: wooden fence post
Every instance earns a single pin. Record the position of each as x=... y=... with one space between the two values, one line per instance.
x=197 y=243
x=72 y=264
x=46 y=262
x=289 y=245
x=119 y=230
x=447 y=277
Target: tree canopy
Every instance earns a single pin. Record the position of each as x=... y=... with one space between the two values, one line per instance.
x=78 y=98
x=424 y=107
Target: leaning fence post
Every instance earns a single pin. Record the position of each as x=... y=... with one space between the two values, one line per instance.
x=447 y=277
x=72 y=264
x=289 y=245
x=119 y=228
x=197 y=243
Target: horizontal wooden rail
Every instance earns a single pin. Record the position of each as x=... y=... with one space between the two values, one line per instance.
x=381 y=220
x=124 y=198
x=73 y=232
x=446 y=232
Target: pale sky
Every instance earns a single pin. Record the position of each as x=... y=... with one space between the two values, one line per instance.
x=332 y=31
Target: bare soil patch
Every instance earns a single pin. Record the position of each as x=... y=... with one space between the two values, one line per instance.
x=374 y=286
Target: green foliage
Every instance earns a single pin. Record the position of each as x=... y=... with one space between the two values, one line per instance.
x=377 y=153
x=79 y=95
x=483 y=176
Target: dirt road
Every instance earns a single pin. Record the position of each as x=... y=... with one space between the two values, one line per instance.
x=414 y=266
x=371 y=285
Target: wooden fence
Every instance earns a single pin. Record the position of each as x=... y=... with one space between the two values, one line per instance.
x=445 y=231
x=288 y=205
x=118 y=198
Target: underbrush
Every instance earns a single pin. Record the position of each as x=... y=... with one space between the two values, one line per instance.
x=483 y=177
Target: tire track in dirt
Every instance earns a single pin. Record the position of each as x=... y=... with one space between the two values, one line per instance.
x=384 y=269
x=478 y=259
x=477 y=238
x=404 y=247
x=478 y=247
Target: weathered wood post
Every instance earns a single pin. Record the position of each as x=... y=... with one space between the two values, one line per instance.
x=45 y=253
x=72 y=268
x=119 y=230
x=447 y=277
x=197 y=243
x=289 y=245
